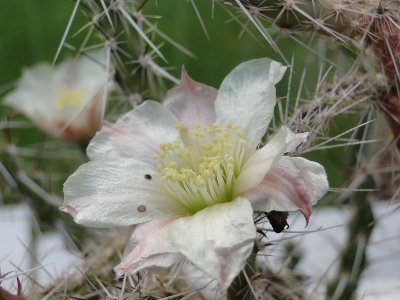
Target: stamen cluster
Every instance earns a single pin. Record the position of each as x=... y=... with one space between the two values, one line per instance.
x=69 y=98
x=200 y=168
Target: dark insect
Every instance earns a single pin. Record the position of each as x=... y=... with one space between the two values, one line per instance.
x=147 y=176
x=278 y=219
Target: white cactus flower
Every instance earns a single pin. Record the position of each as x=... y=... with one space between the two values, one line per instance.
x=189 y=173
x=65 y=100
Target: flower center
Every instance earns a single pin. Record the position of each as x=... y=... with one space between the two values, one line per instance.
x=201 y=167
x=69 y=98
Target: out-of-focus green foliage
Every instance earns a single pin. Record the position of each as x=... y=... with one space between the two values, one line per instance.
x=30 y=32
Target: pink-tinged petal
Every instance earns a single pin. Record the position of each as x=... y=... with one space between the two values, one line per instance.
x=247 y=98
x=192 y=102
x=40 y=91
x=114 y=192
x=149 y=247
x=137 y=134
x=294 y=183
x=217 y=239
x=84 y=125
x=265 y=158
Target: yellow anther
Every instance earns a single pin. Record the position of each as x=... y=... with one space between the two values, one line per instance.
x=200 y=181
x=216 y=149
x=173 y=164
x=239 y=133
x=207 y=173
x=69 y=98
x=195 y=132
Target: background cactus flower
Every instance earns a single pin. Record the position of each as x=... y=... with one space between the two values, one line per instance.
x=65 y=100
x=189 y=173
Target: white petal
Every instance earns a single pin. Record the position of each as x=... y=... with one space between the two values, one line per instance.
x=265 y=158
x=108 y=193
x=217 y=239
x=39 y=89
x=87 y=74
x=197 y=280
x=112 y=141
x=149 y=247
x=247 y=97
x=294 y=140
x=294 y=183
x=192 y=102
x=34 y=94
x=137 y=134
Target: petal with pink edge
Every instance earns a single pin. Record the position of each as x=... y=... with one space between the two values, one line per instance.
x=265 y=158
x=217 y=239
x=294 y=183
x=247 y=97
x=192 y=102
x=137 y=134
x=149 y=247
x=110 y=193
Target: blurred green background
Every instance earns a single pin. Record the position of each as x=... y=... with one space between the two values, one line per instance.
x=30 y=32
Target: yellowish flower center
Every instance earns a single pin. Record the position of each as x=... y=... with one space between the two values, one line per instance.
x=69 y=98
x=200 y=168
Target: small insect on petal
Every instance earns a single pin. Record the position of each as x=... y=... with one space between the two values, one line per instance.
x=141 y=208
x=278 y=220
x=147 y=176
